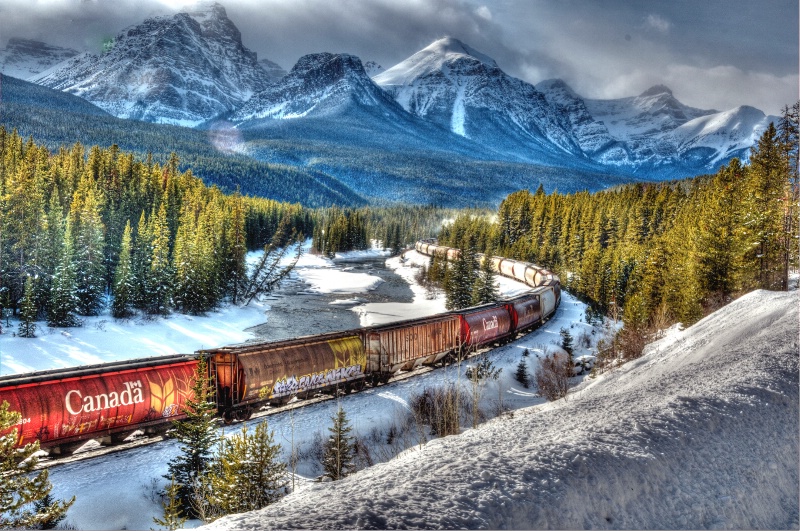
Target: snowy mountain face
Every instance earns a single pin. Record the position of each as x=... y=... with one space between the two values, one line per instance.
x=273 y=70
x=372 y=68
x=23 y=58
x=465 y=91
x=318 y=85
x=655 y=131
x=182 y=69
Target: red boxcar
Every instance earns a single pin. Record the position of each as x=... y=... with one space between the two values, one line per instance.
x=484 y=324
x=67 y=405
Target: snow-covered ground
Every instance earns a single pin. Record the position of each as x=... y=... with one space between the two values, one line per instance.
x=103 y=339
x=701 y=432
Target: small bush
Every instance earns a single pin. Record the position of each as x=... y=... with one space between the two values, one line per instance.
x=552 y=377
x=438 y=407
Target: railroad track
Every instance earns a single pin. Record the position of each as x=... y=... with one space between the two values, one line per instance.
x=97 y=450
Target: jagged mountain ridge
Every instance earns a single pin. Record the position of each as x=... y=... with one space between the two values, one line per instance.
x=182 y=69
x=192 y=69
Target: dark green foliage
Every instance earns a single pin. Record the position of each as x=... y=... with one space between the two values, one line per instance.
x=25 y=500
x=197 y=436
x=122 y=306
x=27 y=320
x=485 y=290
x=339 y=452
x=566 y=340
x=484 y=369
x=522 y=373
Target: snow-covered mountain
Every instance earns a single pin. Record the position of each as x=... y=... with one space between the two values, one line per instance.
x=182 y=69
x=655 y=131
x=465 y=91
x=274 y=70
x=372 y=68
x=318 y=85
x=24 y=58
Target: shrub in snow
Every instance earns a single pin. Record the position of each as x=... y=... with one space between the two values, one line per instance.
x=552 y=376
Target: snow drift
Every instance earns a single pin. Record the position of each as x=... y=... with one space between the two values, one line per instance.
x=701 y=432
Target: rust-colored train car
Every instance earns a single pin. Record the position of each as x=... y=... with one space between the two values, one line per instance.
x=484 y=324
x=250 y=373
x=525 y=311
x=98 y=401
x=409 y=344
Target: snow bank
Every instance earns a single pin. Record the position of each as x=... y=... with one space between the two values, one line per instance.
x=323 y=276
x=701 y=432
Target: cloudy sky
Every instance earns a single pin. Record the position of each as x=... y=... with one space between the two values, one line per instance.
x=711 y=53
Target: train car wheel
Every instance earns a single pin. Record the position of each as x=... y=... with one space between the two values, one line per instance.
x=227 y=416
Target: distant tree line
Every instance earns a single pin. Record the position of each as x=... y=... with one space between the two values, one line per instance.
x=79 y=226
x=396 y=227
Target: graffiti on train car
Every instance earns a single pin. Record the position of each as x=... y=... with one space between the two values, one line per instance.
x=293 y=384
x=490 y=324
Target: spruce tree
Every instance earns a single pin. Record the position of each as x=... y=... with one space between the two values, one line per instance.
x=122 y=306
x=339 y=452
x=88 y=249
x=27 y=322
x=247 y=474
x=197 y=435
x=63 y=307
x=485 y=290
x=22 y=491
x=461 y=278
x=160 y=275
x=173 y=515
x=522 y=373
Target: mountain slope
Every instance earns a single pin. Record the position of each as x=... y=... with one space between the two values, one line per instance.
x=181 y=69
x=463 y=90
x=701 y=432
x=56 y=119
x=24 y=58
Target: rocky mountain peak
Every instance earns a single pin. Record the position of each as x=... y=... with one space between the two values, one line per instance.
x=452 y=46
x=214 y=21
x=656 y=90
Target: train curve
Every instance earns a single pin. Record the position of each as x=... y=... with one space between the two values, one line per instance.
x=63 y=408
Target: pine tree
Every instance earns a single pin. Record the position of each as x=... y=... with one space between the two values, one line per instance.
x=247 y=474
x=197 y=435
x=22 y=491
x=88 y=247
x=27 y=322
x=566 y=340
x=160 y=275
x=485 y=289
x=522 y=373
x=461 y=278
x=337 y=460
x=122 y=306
x=63 y=307
x=173 y=515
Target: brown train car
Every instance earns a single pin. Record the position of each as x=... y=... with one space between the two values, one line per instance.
x=409 y=344
x=107 y=401
x=484 y=324
x=276 y=371
x=525 y=311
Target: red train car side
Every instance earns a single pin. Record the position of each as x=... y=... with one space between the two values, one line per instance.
x=95 y=402
x=484 y=324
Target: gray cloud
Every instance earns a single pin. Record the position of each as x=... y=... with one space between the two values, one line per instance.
x=713 y=54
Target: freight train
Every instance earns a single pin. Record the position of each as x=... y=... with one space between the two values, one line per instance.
x=63 y=408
